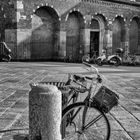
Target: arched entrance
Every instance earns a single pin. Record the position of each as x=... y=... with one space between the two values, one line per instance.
x=45 y=25
x=133 y=36
x=73 y=31
x=98 y=24
x=118 y=34
x=94 y=37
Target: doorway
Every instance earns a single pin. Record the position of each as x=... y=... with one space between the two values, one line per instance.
x=94 y=43
x=45 y=25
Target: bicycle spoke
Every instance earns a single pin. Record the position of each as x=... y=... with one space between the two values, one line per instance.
x=93 y=121
x=96 y=126
x=94 y=135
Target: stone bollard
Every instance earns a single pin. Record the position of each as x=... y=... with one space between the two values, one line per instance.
x=45 y=111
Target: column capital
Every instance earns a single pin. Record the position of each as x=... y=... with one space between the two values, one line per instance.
x=109 y=26
x=63 y=24
x=87 y=25
x=127 y=26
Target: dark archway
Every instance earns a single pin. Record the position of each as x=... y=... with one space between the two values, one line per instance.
x=98 y=24
x=133 y=36
x=94 y=37
x=118 y=34
x=75 y=23
x=45 y=26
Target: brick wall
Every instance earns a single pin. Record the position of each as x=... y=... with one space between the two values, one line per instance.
x=21 y=10
x=17 y=14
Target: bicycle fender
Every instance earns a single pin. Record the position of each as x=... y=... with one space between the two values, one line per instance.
x=101 y=57
x=114 y=56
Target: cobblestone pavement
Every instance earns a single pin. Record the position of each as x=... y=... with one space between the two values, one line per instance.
x=14 y=88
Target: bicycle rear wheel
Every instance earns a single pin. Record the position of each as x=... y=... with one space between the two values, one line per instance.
x=96 y=125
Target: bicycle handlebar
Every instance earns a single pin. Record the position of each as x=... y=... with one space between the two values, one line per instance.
x=81 y=89
x=87 y=64
x=89 y=78
x=77 y=78
x=99 y=79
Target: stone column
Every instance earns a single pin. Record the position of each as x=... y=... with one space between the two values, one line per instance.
x=62 y=39
x=126 y=47
x=109 y=38
x=62 y=44
x=102 y=40
x=86 y=40
x=139 y=41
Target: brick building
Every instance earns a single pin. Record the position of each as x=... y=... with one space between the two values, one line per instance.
x=53 y=29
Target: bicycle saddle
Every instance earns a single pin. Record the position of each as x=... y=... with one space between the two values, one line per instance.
x=79 y=78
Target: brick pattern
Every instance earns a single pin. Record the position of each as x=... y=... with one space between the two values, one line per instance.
x=104 y=7
x=14 y=89
x=18 y=14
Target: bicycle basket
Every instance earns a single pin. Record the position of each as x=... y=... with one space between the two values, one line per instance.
x=105 y=99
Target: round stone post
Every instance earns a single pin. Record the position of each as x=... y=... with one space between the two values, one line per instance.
x=45 y=103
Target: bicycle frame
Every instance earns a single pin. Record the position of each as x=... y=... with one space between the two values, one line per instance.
x=130 y=59
x=87 y=100
x=91 y=89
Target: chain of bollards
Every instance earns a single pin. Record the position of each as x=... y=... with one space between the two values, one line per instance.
x=45 y=110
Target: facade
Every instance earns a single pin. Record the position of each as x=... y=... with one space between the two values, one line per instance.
x=53 y=29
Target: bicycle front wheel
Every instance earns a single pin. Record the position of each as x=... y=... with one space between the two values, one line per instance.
x=82 y=122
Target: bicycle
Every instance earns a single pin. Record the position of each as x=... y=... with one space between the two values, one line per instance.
x=86 y=120
x=130 y=59
x=89 y=59
x=5 y=52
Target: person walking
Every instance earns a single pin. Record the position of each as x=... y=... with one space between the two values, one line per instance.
x=5 y=52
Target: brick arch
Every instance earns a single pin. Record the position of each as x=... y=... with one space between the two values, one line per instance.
x=45 y=26
x=118 y=33
x=95 y=24
x=49 y=6
x=135 y=16
x=74 y=26
x=134 y=36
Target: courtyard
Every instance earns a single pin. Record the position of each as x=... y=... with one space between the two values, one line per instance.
x=14 y=90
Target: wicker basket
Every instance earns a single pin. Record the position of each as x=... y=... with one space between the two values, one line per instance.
x=105 y=99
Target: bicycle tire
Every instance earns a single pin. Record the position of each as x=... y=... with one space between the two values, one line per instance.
x=118 y=62
x=99 y=62
x=100 y=130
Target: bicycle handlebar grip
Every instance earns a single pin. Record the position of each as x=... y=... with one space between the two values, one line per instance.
x=91 y=67
x=78 y=78
x=89 y=78
x=87 y=64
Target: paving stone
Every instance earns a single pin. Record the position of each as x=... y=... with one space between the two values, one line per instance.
x=120 y=135
x=135 y=135
x=122 y=115
x=132 y=108
x=130 y=124
x=137 y=115
x=115 y=126
x=6 y=119
x=14 y=89
x=136 y=101
x=20 y=104
x=6 y=93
